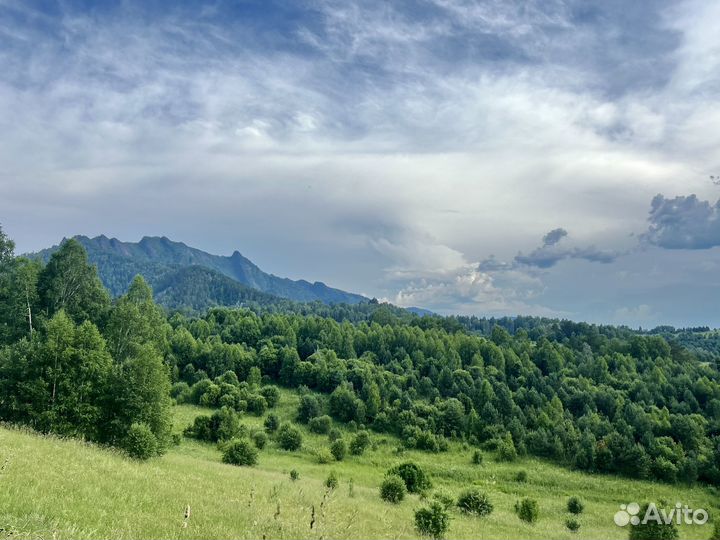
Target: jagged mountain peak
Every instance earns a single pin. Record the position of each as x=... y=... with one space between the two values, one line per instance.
x=155 y=257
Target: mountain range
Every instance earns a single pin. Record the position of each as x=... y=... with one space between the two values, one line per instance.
x=186 y=277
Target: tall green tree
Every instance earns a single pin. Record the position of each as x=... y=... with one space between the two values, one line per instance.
x=19 y=302
x=136 y=321
x=139 y=393
x=7 y=248
x=70 y=283
x=58 y=382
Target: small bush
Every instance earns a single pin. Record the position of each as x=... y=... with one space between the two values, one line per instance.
x=140 y=442
x=272 y=423
x=338 y=449
x=652 y=530
x=309 y=408
x=575 y=505
x=331 y=482
x=716 y=530
x=506 y=449
x=445 y=498
x=521 y=476
x=223 y=425
x=335 y=434
x=180 y=392
x=359 y=443
x=473 y=501
x=289 y=437
x=414 y=477
x=432 y=520
x=572 y=524
x=294 y=475
x=477 y=458
x=527 y=510
x=392 y=489
x=271 y=395
x=240 y=452
x=260 y=439
x=176 y=439
x=256 y=404
x=320 y=424
x=324 y=456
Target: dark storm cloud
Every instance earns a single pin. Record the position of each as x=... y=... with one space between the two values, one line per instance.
x=684 y=222
x=550 y=253
x=554 y=236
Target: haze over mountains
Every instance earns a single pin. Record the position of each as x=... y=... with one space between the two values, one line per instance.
x=183 y=276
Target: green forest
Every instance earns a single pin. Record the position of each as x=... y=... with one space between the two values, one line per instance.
x=75 y=362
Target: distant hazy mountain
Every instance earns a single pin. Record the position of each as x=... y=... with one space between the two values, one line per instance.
x=179 y=273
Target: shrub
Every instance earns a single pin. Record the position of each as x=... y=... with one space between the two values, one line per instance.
x=716 y=531
x=309 y=408
x=335 y=434
x=240 y=452
x=272 y=422
x=338 y=449
x=331 y=482
x=432 y=520
x=445 y=498
x=289 y=437
x=527 y=510
x=271 y=395
x=392 y=489
x=294 y=475
x=180 y=392
x=575 y=505
x=324 y=455
x=200 y=428
x=345 y=406
x=521 y=476
x=477 y=458
x=260 y=439
x=572 y=524
x=223 y=425
x=473 y=501
x=359 y=443
x=414 y=477
x=140 y=442
x=653 y=530
x=256 y=404
x=320 y=424
x=506 y=449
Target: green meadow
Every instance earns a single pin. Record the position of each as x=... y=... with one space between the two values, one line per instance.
x=55 y=488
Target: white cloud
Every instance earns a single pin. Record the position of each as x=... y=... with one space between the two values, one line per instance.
x=374 y=162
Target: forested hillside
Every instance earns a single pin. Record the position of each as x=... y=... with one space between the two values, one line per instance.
x=161 y=262
x=593 y=398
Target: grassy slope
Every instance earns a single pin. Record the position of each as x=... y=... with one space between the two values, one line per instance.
x=54 y=488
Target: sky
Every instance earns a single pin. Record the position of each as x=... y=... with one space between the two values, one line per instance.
x=543 y=157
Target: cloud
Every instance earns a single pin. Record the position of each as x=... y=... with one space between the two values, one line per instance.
x=375 y=146
x=470 y=291
x=635 y=315
x=684 y=222
x=554 y=236
x=550 y=253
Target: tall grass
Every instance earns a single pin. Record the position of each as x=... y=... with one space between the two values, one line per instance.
x=53 y=488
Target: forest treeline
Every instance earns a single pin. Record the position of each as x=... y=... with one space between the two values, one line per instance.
x=596 y=398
